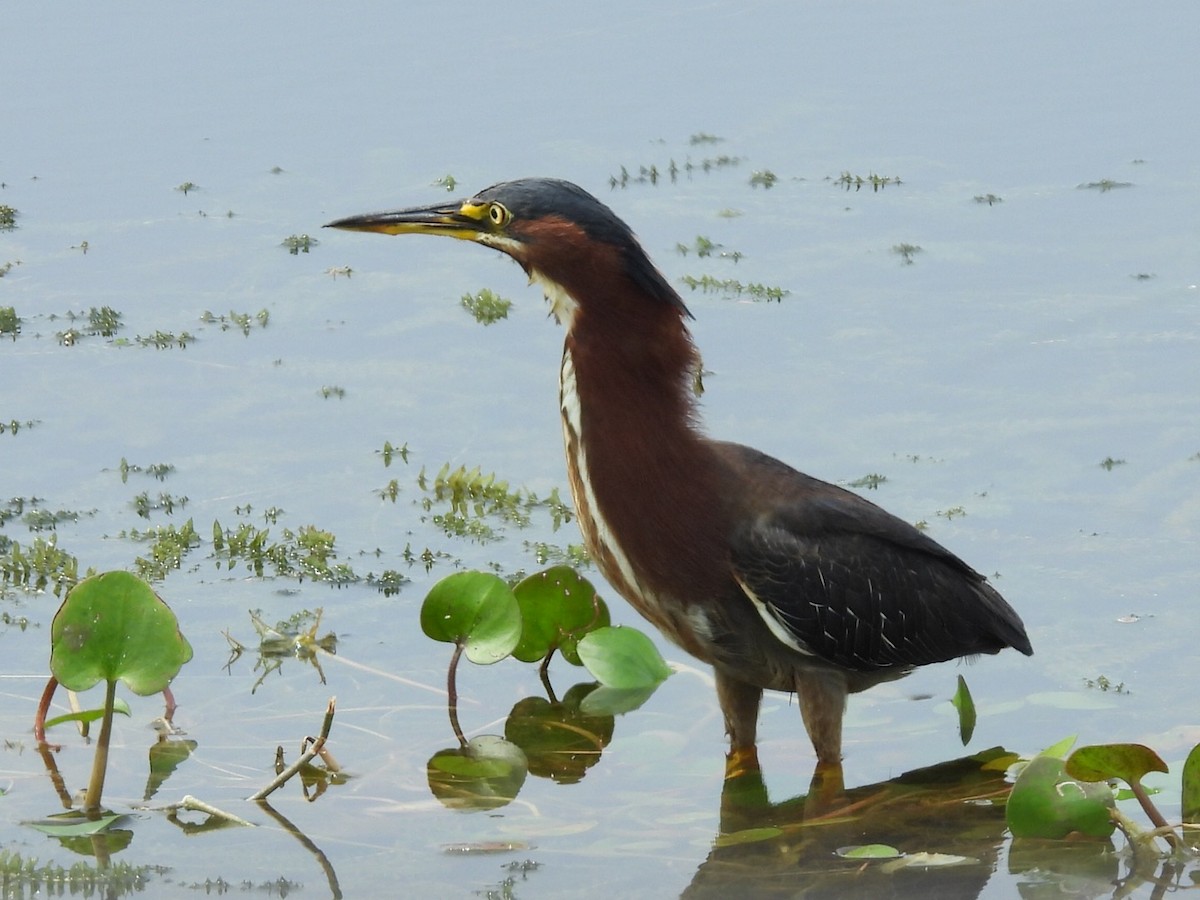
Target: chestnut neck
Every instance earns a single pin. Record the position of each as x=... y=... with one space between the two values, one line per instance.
x=653 y=475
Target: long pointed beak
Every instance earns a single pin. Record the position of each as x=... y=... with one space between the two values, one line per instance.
x=448 y=219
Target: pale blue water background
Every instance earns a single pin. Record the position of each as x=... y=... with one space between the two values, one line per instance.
x=1017 y=352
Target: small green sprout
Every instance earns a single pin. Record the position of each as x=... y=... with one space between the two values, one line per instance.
x=299 y=243
x=856 y=182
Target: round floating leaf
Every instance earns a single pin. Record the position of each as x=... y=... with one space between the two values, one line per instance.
x=1129 y=762
x=74 y=824
x=558 y=607
x=623 y=658
x=113 y=626
x=475 y=610
x=1046 y=802
x=485 y=774
x=868 y=851
x=926 y=860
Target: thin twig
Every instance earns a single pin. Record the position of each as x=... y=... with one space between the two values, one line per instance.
x=197 y=805
x=305 y=758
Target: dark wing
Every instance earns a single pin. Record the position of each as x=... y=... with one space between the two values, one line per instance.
x=837 y=577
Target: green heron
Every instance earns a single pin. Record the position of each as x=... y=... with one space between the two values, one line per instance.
x=777 y=580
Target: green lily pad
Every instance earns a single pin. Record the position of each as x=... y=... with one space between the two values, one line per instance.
x=1046 y=802
x=74 y=824
x=476 y=611
x=623 y=657
x=1129 y=762
x=558 y=607
x=869 y=851
x=113 y=626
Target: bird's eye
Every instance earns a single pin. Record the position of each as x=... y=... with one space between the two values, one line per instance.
x=498 y=214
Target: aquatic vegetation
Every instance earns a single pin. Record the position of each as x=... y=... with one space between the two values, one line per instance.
x=243 y=322
x=871 y=482
x=1104 y=185
x=763 y=178
x=858 y=182
x=299 y=243
x=390 y=452
x=652 y=174
x=112 y=627
x=163 y=340
x=10 y=322
x=40 y=566
x=706 y=284
x=486 y=306
x=144 y=504
x=158 y=471
x=12 y=426
x=705 y=247
x=168 y=545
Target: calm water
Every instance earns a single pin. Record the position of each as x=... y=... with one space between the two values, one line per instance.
x=1028 y=341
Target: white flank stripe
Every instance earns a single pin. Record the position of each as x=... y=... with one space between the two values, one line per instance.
x=777 y=628
x=573 y=425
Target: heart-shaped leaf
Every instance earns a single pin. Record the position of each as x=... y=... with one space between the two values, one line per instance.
x=1100 y=762
x=475 y=610
x=558 y=607
x=623 y=658
x=113 y=626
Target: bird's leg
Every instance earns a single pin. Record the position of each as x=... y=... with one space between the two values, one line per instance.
x=822 y=705
x=739 y=702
